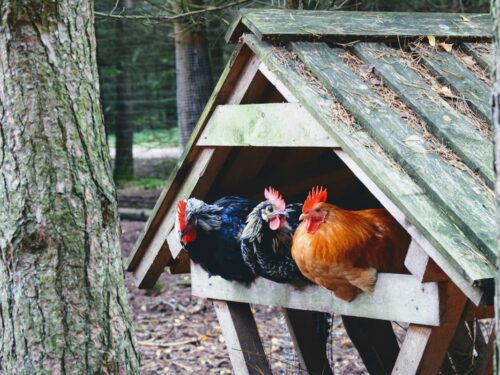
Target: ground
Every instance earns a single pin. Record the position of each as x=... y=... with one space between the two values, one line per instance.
x=178 y=333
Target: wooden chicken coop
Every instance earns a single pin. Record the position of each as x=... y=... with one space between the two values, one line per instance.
x=385 y=110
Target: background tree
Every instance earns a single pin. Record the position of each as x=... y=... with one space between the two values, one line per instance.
x=192 y=67
x=495 y=10
x=63 y=305
x=124 y=159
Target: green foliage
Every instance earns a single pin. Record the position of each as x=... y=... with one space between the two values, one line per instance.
x=156 y=290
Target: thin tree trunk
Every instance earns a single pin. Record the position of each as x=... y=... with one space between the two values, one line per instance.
x=193 y=75
x=124 y=126
x=495 y=10
x=63 y=304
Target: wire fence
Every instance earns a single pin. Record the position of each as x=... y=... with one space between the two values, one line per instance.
x=137 y=70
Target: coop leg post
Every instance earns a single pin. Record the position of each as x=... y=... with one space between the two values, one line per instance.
x=486 y=358
x=375 y=341
x=242 y=338
x=425 y=347
x=467 y=348
x=309 y=345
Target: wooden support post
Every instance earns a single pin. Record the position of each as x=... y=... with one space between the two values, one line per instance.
x=486 y=366
x=375 y=341
x=467 y=348
x=424 y=347
x=242 y=338
x=422 y=266
x=310 y=347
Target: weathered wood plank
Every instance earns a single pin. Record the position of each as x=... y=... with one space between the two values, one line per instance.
x=422 y=266
x=150 y=267
x=424 y=348
x=225 y=86
x=420 y=302
x=181 y=264
x=375 y=341
x=453 y=128
x=173 y=242
x=286 y=25
x=448 y=69
x=457 y=256
x=310 y=348
x=264 y=125
x=480 y=52
x=473 y=312
x=242 y=338
x=457 y=192
x=290 y=98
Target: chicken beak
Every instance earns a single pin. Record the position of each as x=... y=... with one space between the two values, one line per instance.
x=283 y=214
x=303 y=217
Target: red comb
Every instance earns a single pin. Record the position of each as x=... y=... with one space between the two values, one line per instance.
x=181 y=214
x=317 y=194
x=275 y=198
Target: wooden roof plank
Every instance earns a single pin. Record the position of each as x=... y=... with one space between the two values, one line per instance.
x=264 y=125
x=448 y=125
x=449 y=70
x=470 y=206
x=481 y=53
x=420 y=210
x=289 y=25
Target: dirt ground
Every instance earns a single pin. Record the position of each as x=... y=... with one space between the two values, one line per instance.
x=179 y=334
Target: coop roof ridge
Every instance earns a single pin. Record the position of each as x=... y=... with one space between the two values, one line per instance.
x=348 y=26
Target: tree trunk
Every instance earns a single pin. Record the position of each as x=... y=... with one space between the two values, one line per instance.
x=495 y=10
x=193 y=75
x=124 y=125
x=63 y=304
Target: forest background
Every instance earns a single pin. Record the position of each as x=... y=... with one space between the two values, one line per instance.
x=158 y=61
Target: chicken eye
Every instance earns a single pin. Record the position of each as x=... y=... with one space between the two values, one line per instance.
x=317 y=210
x=270 y=208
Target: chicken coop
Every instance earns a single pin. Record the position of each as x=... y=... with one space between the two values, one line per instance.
x=385 y=110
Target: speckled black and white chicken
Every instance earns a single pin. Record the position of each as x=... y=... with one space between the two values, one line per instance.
x=266 y=239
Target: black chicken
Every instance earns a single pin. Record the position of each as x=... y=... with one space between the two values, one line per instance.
x=267 y=238
x=210 y=233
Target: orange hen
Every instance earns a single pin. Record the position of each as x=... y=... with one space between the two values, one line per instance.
x=343 y=250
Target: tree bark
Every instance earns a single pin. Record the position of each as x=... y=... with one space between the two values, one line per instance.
x=495 y=10
x=124 y=126
x=63 y=304
x=193 y=74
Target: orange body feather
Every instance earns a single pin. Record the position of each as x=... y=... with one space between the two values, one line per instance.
x=343 y=250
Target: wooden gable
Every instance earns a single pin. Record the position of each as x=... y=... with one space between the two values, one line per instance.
x=287 y=106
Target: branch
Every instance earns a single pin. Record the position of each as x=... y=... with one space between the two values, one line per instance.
x=142 y=17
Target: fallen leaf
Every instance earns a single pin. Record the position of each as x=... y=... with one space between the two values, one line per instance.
x=446 y=92
x=445 y=46
x=432 y=40
x=443 y=91
x=465 y=19
x=468 y=60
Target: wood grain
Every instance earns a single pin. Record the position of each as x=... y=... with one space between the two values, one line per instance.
x=420 y=302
